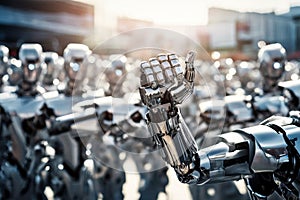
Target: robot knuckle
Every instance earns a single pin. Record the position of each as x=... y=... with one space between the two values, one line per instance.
x=157 y=70
x=148 y=73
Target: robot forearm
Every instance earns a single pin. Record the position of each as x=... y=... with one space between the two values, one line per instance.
x=217 y=163
x=176 y=144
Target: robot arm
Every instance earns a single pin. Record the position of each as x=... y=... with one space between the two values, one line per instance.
x=265 y=148
x=163 y=86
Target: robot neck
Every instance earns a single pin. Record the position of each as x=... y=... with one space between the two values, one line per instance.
x=270 y=85
x=73 y=88
x=27 y=89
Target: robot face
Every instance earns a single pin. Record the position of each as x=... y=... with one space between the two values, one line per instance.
x=117 y=70
x=74 y=67
x=50 y=62
x=15 y=72
x=273 y=69
x=74 y=55
x=31 y=70
x=272 y=60
x=30 y=56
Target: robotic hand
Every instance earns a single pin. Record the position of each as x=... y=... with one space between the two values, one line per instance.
x=266 y=155
x=164 y=85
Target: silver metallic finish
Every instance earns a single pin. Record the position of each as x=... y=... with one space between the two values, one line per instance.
x=4 y=55
x=190 y=71
x=272 y=59
x=236 y=105
x=30 y=52
x=30 y=55
x=262 y=161
x=152 y=75
x=238 y=154
x=162 y=57
x=74 y=55
x=172 y=56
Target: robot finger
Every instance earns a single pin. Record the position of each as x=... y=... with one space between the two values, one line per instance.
x=190 y=70
x=176 y=67
x=158 y=73
x=147 y=75
x=166 y=67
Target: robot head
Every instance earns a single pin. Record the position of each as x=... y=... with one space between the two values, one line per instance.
x=3 y=59
x=272 y=59
x=30 y=56
x=74 y=55
x=15 y=72
x=50 y=67
x=117 y=70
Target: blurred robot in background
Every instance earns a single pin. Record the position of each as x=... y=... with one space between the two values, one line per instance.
x=94 y=85
x=14 y=76
x=4 y=55
x=30 y=56
x=74 y=55
x=272 y=60
x=263 y=102
x=93 y=63
x=115 y=76
x=269 y=100
x=51 y=69
x=239 y=110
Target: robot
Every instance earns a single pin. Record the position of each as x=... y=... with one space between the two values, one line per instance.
x=14 y=72
x=266 y=155
x=79 y=64
x=4 y=55
x=115 y=75
x=272 y=60
x=64 y=170
x=51 y=70
x=150 y=186
x=74 y=55
x=243 y=110
x=30 y=56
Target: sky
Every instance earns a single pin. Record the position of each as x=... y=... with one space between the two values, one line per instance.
x=187 y=12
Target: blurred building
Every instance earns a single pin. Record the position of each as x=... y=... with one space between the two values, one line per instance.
x=294 y=14
x=125 y=24
x=52 y=23
x=232 y=31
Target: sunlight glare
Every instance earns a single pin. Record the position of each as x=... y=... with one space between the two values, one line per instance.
x=190 y=12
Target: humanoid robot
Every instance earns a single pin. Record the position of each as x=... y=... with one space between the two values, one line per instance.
x=4 y=58
x=77 y=60
x=115 y=75
x=266 y=155
x=74 y=55
x=272 y=60
x=52 y=68
x=243 y=110
x=30 y=56
x=14 y=72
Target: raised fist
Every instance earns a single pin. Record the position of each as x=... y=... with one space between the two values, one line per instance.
x=164 y=81
x=164 y=84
